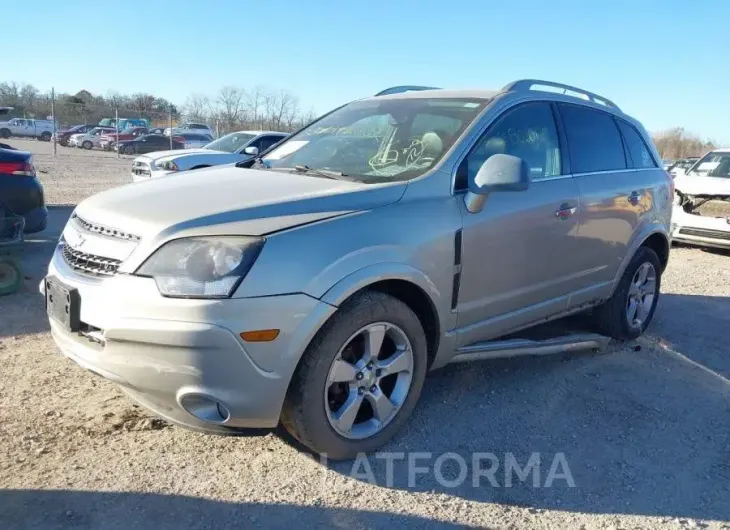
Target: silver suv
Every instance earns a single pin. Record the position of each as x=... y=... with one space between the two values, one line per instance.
x=315 y=285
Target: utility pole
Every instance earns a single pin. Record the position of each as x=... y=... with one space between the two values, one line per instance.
x=170 y=127
x=53 y=118
x=116 y=124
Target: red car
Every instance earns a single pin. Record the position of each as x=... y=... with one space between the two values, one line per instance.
x=107 y=141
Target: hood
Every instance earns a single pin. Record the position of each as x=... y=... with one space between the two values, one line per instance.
x=698 y=184
x=227 y=199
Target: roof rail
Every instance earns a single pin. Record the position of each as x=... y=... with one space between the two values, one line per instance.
x=404 y=88
x=545 y=86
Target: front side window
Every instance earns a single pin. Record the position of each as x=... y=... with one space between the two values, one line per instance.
x=593 y=138
x=640 y=154
x=379 y=140
x=528 y=132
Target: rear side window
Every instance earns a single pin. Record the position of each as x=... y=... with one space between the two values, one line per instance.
x=593 y=138
x=639 y=152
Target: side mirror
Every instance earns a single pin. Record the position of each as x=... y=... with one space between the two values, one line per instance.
x=499 y=172
x=251 y=150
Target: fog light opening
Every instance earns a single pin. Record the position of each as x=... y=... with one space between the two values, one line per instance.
x=205 y=408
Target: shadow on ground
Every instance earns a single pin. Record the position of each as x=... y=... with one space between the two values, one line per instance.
x=643 y=430
x=21 y=509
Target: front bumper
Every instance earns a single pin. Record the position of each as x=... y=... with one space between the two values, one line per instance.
x=700 y=230
x=177 y=356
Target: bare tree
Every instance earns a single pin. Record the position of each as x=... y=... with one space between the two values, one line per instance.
x=29 y=98
x=197 y=107
x=678 y=143
x=230 y=105
x=254 y=102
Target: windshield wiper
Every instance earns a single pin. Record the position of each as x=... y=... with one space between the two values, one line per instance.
x=326 y=173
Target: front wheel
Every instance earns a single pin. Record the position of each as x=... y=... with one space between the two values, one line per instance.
x=359 y=379
x=627 y=314
x=5 y=133
x=128 y=150
x=87 y=144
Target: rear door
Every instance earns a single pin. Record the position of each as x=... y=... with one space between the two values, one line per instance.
x=517 y=253
x=614 y=193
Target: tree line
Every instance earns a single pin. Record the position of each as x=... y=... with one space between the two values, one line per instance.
x=678 y=143
x=232 y=108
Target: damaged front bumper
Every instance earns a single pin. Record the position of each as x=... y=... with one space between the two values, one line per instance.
x=702 y=220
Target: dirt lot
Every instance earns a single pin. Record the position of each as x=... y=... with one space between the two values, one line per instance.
x=644 y=427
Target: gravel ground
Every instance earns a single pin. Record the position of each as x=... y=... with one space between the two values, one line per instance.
x=644 y=427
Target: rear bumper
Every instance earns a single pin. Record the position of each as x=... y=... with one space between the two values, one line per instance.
x=24 y=196
x=176 y=356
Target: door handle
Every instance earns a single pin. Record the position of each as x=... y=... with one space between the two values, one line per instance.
x=565 y=211
x=635 y=197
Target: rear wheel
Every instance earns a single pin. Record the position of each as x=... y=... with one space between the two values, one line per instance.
x=128 y=150
x=629 y=311
x=11 y=276
x=5 y=133
x=87 y=144
x=359 y=379
x=45 y=136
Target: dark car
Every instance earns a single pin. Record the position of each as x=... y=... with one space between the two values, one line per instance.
x=148 y=144
x=63 y=135
x=20 y=191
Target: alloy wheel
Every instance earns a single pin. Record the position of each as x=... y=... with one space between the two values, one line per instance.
x=369 y=380
x=642 y=292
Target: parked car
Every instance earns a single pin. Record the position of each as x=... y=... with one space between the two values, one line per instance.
x=193 y=140
x=40 y=129
x=701 y=214
x=63 y=135
x=124 y=123
x=107 y=140
x=147 y=144
x=21 y=192
x=89 y=139
x=680 y=167
x=199 y=128
x=157 y=130
x=234 y=147
x=314 y=286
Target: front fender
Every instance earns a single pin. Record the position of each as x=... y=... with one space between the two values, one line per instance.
x=371 y=274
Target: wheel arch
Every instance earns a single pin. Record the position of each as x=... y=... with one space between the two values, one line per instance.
x=407 y=284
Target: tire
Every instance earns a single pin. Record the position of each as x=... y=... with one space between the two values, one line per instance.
x=308 y=407
x=5 y=133
x=45 y=137
x=87 y=144
x=11 y=275
x=129 y=150
x=612 y=318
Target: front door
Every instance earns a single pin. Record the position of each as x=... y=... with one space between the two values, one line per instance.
x=517 y=253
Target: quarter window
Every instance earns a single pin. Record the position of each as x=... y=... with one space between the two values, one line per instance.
x=594 y=140
x=639 y=152
x=527 y=131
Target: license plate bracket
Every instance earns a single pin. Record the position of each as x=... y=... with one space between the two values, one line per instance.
x=63 y=304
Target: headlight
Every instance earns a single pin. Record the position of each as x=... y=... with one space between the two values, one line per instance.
x=168 y=166
x=201 y=267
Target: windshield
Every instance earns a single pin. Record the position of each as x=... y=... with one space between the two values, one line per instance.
x=230 y=142
x=379 y=140
x=713 y=165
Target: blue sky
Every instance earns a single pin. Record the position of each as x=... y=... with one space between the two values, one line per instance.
x=664 y=62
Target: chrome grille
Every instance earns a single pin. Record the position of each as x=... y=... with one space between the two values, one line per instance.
x=141 y=168
x=89 y=263
x=103 y=230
